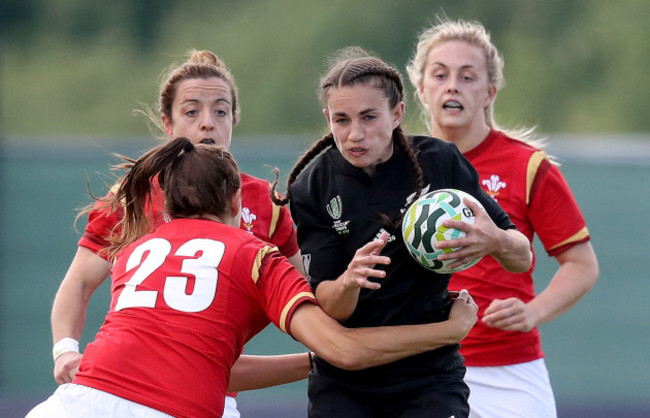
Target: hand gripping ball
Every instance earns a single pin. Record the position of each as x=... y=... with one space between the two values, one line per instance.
x=422 y=227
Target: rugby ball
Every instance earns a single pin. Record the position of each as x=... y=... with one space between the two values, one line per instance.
x=422 y=227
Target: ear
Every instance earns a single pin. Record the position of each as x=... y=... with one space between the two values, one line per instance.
x=398 y=114
x=167 y=125
x=326 y=112
x=235 y=203
x=235 y=209
x=421 y=95
x=492 y=95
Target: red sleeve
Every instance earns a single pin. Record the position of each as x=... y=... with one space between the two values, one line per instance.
x=553 y=210
x=101 y=221
x=283 y=289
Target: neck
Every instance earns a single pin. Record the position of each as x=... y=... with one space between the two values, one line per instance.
x=208 y=217
x=465 y=138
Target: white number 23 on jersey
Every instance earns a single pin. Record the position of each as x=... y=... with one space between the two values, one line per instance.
x=203 y=268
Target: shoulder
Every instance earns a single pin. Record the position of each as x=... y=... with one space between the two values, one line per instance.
x=253 y=183
x=318 y=171
x=503 y=140
x=428 y=147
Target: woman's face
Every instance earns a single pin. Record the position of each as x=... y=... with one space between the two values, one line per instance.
x=201 y=111
x=455 y=86
x=362 y=123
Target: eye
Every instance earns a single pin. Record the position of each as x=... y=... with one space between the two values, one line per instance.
x=191 y=112
x=222 y=113
x=369 y=117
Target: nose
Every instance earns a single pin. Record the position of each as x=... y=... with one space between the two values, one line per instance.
x=452 y=85
x=356 y=131
x=207 y=122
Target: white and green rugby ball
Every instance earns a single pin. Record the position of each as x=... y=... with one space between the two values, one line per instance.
x=422 y=227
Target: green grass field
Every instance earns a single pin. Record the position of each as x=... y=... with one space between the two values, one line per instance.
x=595 y=353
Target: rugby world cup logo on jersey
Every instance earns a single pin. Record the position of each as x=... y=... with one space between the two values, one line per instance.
x=335 y=209
x=247 y=219
x=493 y=185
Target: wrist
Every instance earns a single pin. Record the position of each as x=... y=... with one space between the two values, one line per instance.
x=64 y=345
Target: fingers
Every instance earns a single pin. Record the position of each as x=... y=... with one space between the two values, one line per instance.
x=66 y=366
x=510 y=314
x=375 y=246
x=462 y=296
x=72 y=373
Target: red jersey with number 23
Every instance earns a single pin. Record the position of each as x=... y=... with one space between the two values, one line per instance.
x=538 y=200
x=184 y=301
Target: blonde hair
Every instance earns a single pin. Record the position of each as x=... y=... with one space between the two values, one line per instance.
x=474 y=34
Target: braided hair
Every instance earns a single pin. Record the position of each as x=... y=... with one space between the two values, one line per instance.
x=354 y=66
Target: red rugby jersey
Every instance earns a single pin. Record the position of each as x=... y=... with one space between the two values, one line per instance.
x=184 y=301
x=538 y=199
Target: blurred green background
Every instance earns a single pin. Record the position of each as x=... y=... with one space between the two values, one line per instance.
x=72 y=72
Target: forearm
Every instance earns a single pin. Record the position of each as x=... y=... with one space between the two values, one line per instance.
x=388 y=344
x=359 y=348
x=68 y=316
x=258 y=372
x=87 y=271
x=336 y=299
x=514 y=253
x=577 y=274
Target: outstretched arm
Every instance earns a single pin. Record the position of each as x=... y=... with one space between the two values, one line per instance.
x=339 y=297
x=359 y=348
x=577 y=274
x=86 y=272
x=509 y=247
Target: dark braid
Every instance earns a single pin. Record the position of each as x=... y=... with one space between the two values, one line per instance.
x=318 y=147
x=407 y=146
x=400 y=139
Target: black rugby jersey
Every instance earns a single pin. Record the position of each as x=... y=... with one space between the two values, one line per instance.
x=338 y=208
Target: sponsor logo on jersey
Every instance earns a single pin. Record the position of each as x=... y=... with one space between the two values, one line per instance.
x=335 y=209
x=411 y=198
x=493 y=185
x=247 y=219
x=391 y=237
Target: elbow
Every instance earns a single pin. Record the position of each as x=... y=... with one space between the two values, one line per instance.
x=520 y=264
x=527 y=261
x=592 y=276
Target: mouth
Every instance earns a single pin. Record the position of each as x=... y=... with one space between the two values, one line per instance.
x=208 y=141
x=452 y=105
x=356 y=151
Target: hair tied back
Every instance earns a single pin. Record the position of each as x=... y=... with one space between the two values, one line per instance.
x=189 y=146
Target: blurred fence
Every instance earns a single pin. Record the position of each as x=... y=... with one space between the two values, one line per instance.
x=594 y=353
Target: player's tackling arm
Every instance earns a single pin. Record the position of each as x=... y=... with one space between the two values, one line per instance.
x=359 y=348
x=86 y=272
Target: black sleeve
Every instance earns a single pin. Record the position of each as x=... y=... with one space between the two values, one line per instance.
x=319 y=244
